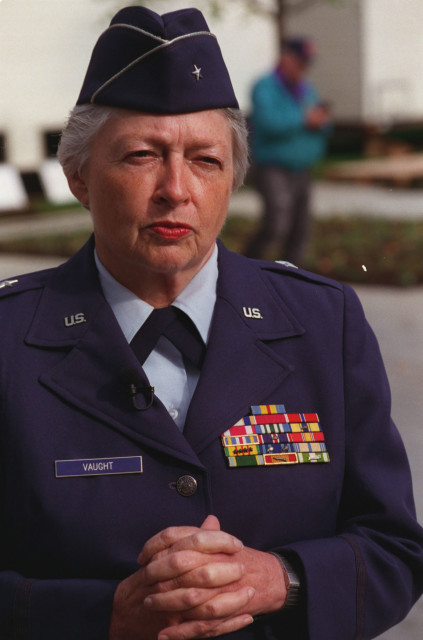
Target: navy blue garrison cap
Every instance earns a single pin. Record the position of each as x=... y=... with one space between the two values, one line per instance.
x=158 y=64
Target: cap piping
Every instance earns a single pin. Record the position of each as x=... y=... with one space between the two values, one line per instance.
x=133 y=28
x=165 y=43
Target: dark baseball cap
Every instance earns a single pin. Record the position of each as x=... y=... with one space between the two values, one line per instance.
x=303 y=48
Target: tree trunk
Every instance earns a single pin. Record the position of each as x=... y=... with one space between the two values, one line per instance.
x=281 y=15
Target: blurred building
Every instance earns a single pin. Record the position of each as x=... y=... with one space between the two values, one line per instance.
x=370 y=63
x=371 y=57
x=369 y=67
x=45 y=47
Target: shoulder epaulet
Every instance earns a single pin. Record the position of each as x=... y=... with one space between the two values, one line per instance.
x=25 y=282
x=290 y=269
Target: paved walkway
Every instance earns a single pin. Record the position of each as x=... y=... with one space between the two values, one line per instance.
x=24 y=226
x=397 y=169
x=396 y=317
x=330 y=199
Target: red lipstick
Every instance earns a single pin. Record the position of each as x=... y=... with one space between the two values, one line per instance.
x=170 y=230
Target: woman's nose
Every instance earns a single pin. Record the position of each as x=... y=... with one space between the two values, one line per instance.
x=172 y=184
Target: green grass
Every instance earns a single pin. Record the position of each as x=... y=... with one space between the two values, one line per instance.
x=355 y=249
x=368 y=251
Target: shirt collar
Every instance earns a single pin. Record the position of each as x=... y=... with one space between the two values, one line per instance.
x=197 y=299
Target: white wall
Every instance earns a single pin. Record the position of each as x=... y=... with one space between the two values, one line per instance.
x=371 y=57
x=393 y=59
x=336 y=29
x=45 y=47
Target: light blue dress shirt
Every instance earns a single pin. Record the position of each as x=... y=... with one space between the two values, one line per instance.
x=174 y=384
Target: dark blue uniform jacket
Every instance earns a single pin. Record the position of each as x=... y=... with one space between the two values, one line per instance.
x=67 y=541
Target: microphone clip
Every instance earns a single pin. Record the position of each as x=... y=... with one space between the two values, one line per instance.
x=148 y=393
x=133 y=382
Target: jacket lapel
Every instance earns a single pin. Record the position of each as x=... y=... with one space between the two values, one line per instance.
x=88 y=376
x=240 y=368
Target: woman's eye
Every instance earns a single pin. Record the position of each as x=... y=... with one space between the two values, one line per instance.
x=140 y=153
x=210 y=160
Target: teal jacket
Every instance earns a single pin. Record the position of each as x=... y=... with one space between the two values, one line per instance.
x=279 y=136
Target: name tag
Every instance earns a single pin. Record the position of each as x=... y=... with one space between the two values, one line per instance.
x=98 y=466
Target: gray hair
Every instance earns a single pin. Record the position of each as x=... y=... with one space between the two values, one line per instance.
x=85 y=120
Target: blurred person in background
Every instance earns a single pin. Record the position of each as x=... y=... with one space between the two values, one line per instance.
x=290 y=128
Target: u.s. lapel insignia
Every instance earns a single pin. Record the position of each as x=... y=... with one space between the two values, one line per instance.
x=270 y=436
x=77 y=318
x=252 y=313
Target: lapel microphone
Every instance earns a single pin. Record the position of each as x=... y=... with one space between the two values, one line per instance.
x=133 y=382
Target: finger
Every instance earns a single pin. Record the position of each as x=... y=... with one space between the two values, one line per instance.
x=189 y=601
x=209 y=541
x=201 y=542
x=179 y=599
x=193 y=537
x=162 y=540
x=211 y=523
x=205 y=628
x=208 y=576
x=232 y=624
x=222 y=606
x=206 y=569
x=172 y=565
x=212 y=575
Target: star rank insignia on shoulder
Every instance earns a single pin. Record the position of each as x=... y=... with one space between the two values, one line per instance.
x=10 y=286
x=8 y=283
x=270 y=436
x=24 y=282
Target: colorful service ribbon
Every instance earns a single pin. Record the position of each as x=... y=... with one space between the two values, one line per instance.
x=270 y=436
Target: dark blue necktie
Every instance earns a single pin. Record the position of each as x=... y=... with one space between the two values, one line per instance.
x=176 y=326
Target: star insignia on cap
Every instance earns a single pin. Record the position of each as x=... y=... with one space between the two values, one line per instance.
x=197 y=73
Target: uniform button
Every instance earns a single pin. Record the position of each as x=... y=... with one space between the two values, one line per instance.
x=174 y=413
x=186 y=486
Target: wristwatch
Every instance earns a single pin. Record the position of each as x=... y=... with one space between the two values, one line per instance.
x=292 y=582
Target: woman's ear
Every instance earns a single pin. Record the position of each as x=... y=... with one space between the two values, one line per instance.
x=79 y=188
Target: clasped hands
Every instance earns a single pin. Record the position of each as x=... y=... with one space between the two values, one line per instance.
x=195 y=583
